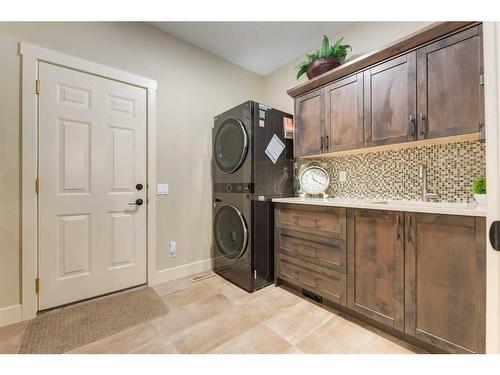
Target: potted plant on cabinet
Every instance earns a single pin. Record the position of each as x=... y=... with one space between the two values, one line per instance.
x=479 y=191
x=321 y=61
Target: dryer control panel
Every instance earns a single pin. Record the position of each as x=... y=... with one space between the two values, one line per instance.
x=233 y=188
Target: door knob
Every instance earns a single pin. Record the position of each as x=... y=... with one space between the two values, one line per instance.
x=494 y=235
x=138 y=202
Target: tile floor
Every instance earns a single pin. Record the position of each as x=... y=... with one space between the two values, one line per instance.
x=214 y=316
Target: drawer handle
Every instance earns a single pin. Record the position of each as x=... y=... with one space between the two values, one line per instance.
x=409 y=229
x=316 y=223
x=398 y=235
x=296 y=219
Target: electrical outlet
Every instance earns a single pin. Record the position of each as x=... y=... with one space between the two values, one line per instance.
x=172 y=247
x=342 y=176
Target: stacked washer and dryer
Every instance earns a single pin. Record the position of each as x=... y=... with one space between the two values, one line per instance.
x=252 y=163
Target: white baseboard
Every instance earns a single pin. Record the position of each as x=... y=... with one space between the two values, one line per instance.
x=180 y=271
x=10 y=315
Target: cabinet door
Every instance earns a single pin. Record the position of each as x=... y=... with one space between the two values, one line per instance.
x=344 y=114
x=450 y=94
x=309 y=124
x=376 y=265
x=445 y=281
x=390 y=101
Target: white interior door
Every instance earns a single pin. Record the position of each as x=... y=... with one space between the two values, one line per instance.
x=92 y=154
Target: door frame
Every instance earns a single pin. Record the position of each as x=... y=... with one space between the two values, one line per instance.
x=491 y=38
x=31 y=55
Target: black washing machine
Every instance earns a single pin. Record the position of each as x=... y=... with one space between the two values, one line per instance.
x=246 y=178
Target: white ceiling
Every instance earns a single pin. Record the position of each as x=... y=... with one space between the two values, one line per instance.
x=260 y=47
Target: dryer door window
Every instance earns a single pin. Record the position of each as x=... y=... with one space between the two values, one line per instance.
x=230 y=145
x=230 y=232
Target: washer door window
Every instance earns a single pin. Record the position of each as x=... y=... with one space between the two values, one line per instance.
x=230 y=232
x=230 y=145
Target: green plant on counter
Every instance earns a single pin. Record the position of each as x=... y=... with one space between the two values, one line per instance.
x=337 y=50
x=479 y=186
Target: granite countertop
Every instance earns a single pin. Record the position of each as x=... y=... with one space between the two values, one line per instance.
x=445 y=208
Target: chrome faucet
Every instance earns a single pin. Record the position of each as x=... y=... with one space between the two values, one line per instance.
x=425 y=195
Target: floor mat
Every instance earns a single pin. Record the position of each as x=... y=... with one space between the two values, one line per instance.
x=65 y=329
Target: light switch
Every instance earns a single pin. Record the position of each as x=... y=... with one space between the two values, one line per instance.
x=162 y=189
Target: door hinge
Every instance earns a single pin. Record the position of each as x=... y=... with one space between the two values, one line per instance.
x=37 y=185
x=37 y=285
x=481 y=80
x=37 y=86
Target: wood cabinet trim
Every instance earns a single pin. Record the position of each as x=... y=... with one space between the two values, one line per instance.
x=342 y=82
x=410 y=274
x=480 y=284
x=391 y=63
x=453 y=39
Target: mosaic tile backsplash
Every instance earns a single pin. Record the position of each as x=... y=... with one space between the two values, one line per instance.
x=393 y=174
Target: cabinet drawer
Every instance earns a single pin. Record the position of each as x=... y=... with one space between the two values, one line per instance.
x=325 y=282
x=322 y=221
x=326 y=252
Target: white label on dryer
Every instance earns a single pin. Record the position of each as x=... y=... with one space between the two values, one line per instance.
x=274 y=148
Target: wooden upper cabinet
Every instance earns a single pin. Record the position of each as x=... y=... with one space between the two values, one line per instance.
x=432 y=91
x=309 y=137
x=390 y=101
x=450 y=95
x=445 y=281
x=375 y=245
x=344 y=114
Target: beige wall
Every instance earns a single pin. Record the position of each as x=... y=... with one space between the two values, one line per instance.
x=362 y=36
x=193 y=87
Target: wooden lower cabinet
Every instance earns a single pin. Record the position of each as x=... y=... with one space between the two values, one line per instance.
x=322 y=251
x=375 y=260
x=445 y=281
x=329 y=222
x=420 y=274
x=324 y=282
